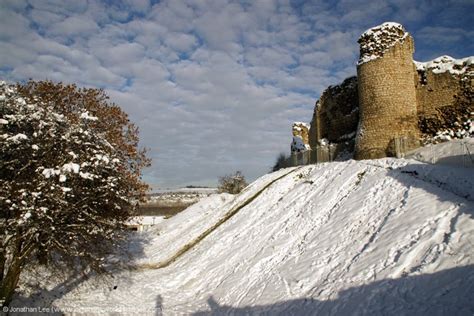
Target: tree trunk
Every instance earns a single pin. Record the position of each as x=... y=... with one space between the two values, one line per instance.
x=9 y=282
x=2 y=265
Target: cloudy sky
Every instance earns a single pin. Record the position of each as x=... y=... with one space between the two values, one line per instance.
x=213 y=85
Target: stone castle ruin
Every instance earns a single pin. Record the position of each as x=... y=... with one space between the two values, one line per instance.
x=394 y=105
x=300 y=141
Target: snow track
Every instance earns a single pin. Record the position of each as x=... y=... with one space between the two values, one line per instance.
x=389 y=236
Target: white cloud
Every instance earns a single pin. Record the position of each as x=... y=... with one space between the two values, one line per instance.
x=74 y=25
x=213 y=85
x=180 y=42
x=141 y=6
x=120 y=55
x=60 y=6
x=44 y=18
x=269 y=56
x=13 y=25
x=20 y=57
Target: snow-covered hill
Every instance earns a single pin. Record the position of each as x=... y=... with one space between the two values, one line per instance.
x=374 y=237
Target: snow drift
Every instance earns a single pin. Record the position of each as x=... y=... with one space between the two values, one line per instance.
x=357 y=237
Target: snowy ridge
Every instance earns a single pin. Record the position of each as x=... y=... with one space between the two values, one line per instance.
x=355 y=237
x=448 y=64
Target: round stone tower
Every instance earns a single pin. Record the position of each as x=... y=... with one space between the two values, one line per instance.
x=388 y=123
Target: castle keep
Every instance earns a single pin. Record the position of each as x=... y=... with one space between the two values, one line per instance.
x=394 y=103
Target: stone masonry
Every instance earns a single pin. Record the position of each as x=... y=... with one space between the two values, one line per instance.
x=376 y=112
x=387 y=99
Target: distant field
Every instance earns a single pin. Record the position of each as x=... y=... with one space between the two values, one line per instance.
x=169 y=203
x=156 y=209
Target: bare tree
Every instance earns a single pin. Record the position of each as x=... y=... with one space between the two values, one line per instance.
x=67 y=182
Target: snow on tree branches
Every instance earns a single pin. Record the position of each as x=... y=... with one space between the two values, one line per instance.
x=68 y=179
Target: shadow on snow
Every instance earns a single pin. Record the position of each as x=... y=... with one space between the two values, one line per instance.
x=448 y=292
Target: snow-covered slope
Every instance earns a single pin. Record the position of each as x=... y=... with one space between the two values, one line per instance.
x=356 y=237
x=456 y=152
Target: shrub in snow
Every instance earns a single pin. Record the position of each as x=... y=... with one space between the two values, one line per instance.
x=232 y=184
x=66 y=185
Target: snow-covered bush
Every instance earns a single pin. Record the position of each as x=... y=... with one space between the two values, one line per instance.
x=65 y=186
x=232 y=184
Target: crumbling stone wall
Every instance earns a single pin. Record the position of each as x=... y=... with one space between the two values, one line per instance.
x=300 y=142
x=387 y=99
x=336 y=114
x=434 y=91
x=394 y=101
x=445 y=96
x=301 y=129
x=315 y=126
